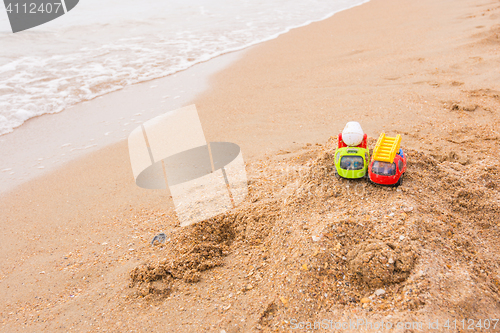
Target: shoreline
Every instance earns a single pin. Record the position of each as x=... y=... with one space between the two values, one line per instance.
x=180 y=67
x=70 y=143
x=70 y=239
x=90 y=126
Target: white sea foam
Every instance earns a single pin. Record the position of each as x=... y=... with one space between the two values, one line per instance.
x=88 y=52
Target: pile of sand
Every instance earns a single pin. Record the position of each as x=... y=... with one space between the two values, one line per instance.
x=325 y=244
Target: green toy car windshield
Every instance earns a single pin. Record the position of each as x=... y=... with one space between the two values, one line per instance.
x=351 y=163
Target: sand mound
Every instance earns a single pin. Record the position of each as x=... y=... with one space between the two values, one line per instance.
x=200 y=247
x=313 y=242
x=376 y=263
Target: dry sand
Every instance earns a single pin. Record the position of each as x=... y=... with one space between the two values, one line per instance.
x=75 y=244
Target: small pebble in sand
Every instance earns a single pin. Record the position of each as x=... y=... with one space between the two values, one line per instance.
x=379 y=292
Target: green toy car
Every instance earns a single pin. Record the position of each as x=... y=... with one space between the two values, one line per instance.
x=352 y=162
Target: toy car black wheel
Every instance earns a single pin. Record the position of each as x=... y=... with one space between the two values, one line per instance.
x=400 y=181
x=335 y=173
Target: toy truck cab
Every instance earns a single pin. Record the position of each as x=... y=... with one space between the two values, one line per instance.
x=351 y=161
x=388 y=163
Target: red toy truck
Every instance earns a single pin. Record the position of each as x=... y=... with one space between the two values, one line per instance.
x=388 y=163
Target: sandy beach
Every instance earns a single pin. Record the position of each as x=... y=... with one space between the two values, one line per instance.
x=75 y=244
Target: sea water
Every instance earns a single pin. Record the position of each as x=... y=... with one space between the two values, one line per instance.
x=104 y=45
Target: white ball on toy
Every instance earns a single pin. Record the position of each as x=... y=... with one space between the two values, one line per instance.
x=352 y=135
